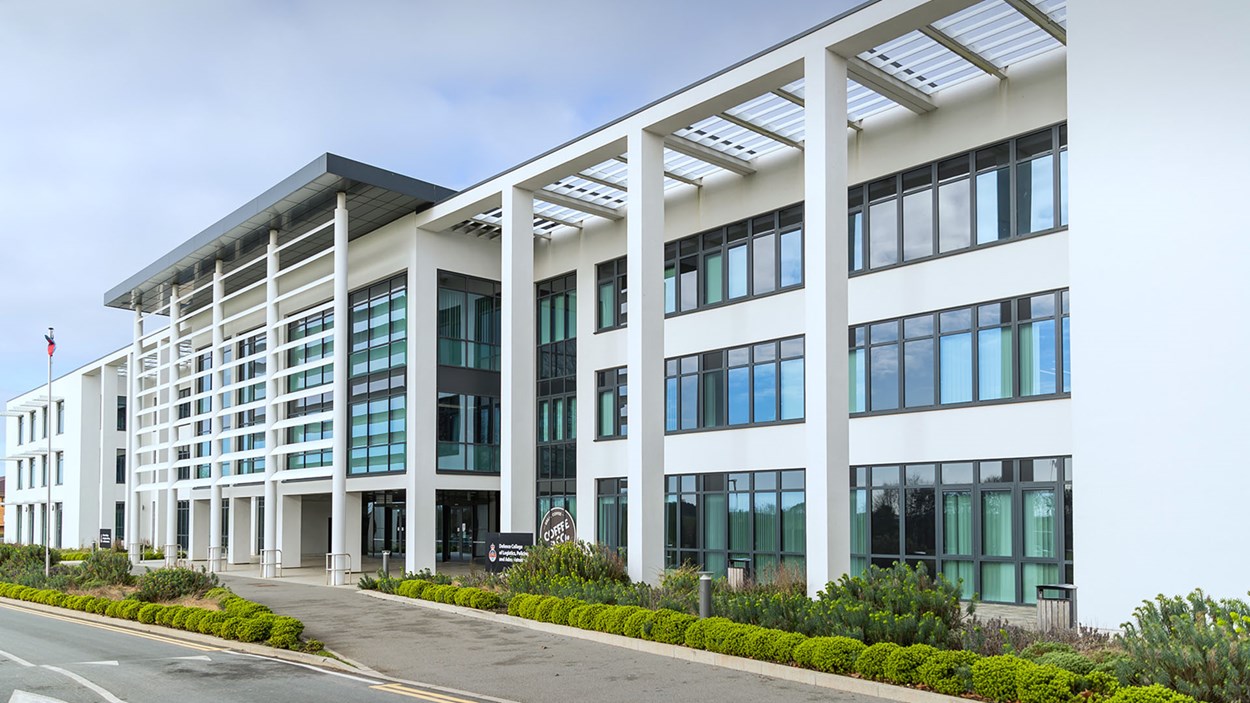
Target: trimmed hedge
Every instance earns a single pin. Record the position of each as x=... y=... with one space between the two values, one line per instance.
x=239 y=619
x=466 y=597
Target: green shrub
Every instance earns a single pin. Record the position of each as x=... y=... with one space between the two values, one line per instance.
x=180 y=617
x=412 y=588
x=583 y=616
x=835 y=655
x=638 y=621
x=99 y=605
x=1068 y=661
x=191 y=623
x=994 y=678
x=105 y=568
x=1149 y=694
x=130 y=609
x=560 y=611
x=528 y=606
x=695 y=634
x=579 y=561
x=486 y=600
x=900 y=604
x=900 y=667
x=542 y=612
x=669 y=627
x=211 y=623
x=871 y=662
x=163 y=585
x=147 y=613
x=1098 y=685
x=517 y=601
x=1043 y=683
x=1126 y=670
x=464 y=597
x=1194 y=644
x=255 y=629
x=948 y=672
x=784 y=644
x=165 y=616
x=284 y=632
x=1037 y=649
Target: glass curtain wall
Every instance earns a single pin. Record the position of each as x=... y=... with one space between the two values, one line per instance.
x=377 y=411
x=557 y=394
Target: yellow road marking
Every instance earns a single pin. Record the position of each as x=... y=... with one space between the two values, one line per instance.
x=423 y=695
x=113 y=628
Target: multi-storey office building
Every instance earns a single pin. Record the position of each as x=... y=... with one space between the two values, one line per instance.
x=87 y=468
x=897 y=178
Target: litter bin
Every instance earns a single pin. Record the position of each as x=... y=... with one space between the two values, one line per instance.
x=1056 y=606
x=739 y=572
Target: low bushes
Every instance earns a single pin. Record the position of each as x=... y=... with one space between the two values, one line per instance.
x=239 y=619
x=170 y=584
x=446 y=593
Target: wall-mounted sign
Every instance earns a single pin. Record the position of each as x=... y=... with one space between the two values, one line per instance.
x=503 y=549
x=106 y=539
x=557 y=527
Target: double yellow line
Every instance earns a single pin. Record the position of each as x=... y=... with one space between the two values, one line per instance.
x=112 y=628
x=421 y=694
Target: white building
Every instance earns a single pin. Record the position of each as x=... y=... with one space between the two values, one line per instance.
x=88 y=466
x=897 y=177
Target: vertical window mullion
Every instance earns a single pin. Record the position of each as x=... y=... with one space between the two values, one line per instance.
x=1013 y=204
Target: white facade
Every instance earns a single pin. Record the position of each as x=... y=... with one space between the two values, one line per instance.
x=985 y=463
x=87 y=445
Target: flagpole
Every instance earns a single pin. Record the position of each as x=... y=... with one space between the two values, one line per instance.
x=47 y=510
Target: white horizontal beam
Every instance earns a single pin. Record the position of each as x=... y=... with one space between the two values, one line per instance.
x=962 y=51
x=1041 y=19
x=568 y=201
x=707 y=154
x=601 y=181
x=783 y=93
x=697 y=183
x=884 y=84
x=751 y=126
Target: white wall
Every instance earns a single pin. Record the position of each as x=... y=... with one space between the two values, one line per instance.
x=1159 y=254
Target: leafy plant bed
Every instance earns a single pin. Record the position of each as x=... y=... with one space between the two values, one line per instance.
x=233 y=618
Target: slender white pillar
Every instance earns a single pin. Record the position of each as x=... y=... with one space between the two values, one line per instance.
x=171 y=392
x=644 y=249
x=420 y=498
x=214 y=407
x=134 y=541
x=272 y=340
x=825 y=279
x=517 y=443
x=342 y=427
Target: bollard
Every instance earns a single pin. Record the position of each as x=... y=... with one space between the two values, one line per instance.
x=705 y=594
x=386 y=564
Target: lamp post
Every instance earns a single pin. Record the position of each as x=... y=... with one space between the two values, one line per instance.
x=47 y=479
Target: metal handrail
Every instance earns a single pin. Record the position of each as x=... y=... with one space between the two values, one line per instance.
x=216 y=559
x=270 y=563
x=333 y=568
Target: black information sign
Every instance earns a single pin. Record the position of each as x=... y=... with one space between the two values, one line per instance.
x=503 y=549
x=106 y=539
x=557 y=527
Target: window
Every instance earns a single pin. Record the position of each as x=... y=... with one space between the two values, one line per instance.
x=317 y=328
x=1012 y=189
x=377 y=414
x=43 y=471
x=750 y=385
x=311 y=432
x=60 y=417
x=746 y=259
x=60 y=524
x=21 y=429
x=962 y=355
x=612 y=513
x=612 y=410
x=21 y=465
x=468 y=433
x=611 y=294
x=757 y=518
x=121 y=413
x=469 y=319
x=119 y=521
x=183 y=529
x=60 y=468
x=1002 y=527
x=556 y=302
x=120 y=477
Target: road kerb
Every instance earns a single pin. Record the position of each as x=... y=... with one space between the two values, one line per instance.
x=846 y=684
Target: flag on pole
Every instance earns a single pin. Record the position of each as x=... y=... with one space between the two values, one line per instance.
x=51 y=343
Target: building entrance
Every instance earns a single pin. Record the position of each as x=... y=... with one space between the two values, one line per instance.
x=384 y=530
x=463 y=518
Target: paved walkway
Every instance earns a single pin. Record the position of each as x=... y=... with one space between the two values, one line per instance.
x=505 y=661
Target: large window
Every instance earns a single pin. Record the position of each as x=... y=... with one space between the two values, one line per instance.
x=611 y=294
x=119 y=521
x=556 y=301
x=60 y=468
x=749 y=385
x=120 y=476
x=318 y=349
x=612 y=410
x=469 y=315
x=60 y=417
x=468 y=433
x=21 y=429
x=746 y=259
x=121 y=413
x=1008 y=349
x=612 y=512
x=377 y=412
x=1003 y=527
x=1012 y=189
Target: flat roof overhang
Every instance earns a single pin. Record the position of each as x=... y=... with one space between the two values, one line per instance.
x=376 y=197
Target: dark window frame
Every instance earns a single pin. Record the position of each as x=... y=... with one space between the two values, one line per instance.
x=699 y=368
x=613 y=274
x=616 y=382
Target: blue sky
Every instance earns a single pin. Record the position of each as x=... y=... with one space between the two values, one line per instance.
x=130 y=126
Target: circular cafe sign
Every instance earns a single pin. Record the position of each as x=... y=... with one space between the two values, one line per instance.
x=557 y=527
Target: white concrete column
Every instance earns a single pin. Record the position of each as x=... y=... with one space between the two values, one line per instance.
x=644 y=249
x=171 y=393
x=342 y=426
x=214 y=446
x=239 y=550
x=825 y=280
x=518 y=377
x=272 y=409
x=289 y=537
x=419 y=519
x=134 y=539
x=198 y=529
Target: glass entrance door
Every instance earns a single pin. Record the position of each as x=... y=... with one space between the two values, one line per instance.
x=462 y=520
x=384 y=515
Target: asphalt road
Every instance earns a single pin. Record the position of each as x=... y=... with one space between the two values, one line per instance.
x=46 y=658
